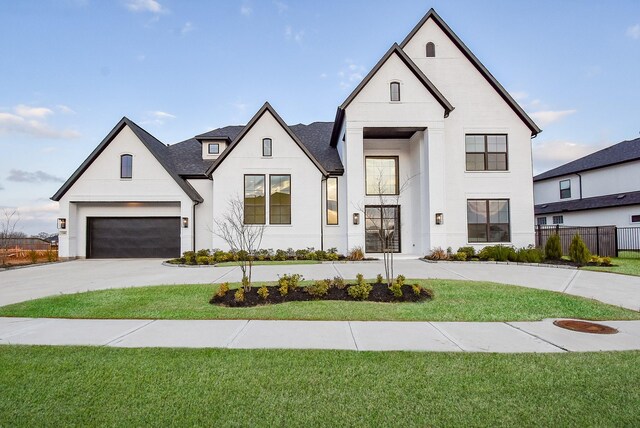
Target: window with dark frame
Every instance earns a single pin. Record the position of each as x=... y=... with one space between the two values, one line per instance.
x=214 y=148
x=280 y=199
x=558 y=219
x=266 y=147
x=382 y=223
x=635 y=218
x=486 y=152
x=381 y=175
x=488 y=220
x=332 y=201
x=395 y=91
x=542 y=221
x=126 y=166
x=254 y=199
x=565 y=189
x=431 y=50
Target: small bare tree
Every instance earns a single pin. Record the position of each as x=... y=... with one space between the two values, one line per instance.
x=243 y=239
x=8 y=223
x=388 y=227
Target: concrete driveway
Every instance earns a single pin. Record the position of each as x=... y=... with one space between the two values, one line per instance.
x=84 y=275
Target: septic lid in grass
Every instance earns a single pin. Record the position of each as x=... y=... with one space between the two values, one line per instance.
x=585 y=327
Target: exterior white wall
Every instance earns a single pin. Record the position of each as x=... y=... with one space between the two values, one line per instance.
x=204 y=213
x=618 y=216
x=288 y=158
x=101 y=182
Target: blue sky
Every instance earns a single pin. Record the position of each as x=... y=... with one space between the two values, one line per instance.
x=70 y=69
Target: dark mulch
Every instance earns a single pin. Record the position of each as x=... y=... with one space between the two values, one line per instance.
x=379 y=293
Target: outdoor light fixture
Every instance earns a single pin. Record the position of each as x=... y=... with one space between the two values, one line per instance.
x=356 y=218
x=185 y=222
x=439 y=218
x=62 y=223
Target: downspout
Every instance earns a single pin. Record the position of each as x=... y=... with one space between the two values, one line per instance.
x=580 y=182
x=193 y=225
x=323 y=179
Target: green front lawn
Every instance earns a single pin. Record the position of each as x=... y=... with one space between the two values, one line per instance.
x=269 y=263
x=454 y=301
x=84 y=386
x=627 y=266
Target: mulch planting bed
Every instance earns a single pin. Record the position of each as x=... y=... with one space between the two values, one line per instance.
x=379 y=293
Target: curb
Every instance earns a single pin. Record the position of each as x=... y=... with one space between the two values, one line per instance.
x=544 y=265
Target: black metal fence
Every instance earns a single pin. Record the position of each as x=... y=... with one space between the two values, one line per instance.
x=605 y=241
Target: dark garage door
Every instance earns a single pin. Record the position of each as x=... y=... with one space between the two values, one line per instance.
x=133 y=237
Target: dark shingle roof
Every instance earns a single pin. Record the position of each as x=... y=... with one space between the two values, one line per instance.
x=316 y=137
x=228 y=132
x=607 y=201
x=625 y=151
x=187 y=158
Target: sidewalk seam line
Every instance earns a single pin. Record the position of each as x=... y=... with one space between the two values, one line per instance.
x=223 y=275
x=453 y=272
x=355 y=343
x=230 y=342
x=537 y=337
x=446 y=336
x=127 y=333
x=336 y=269
x=571 y=280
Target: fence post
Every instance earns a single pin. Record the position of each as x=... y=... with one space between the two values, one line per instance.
x=616 y=235
x=597 y=240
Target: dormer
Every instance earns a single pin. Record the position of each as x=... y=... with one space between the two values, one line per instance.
x=213 y=148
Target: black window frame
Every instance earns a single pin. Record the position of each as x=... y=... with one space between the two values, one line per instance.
x=541 y=221
x=122 y=166
x=366 y=176
x=488 y=221
x=397 y=225
x=391 y=85
x=264 y=152
x=271 y=199
x=432 y=53
x=568 y=189
x=486 y=153
x=635 y=218
x=244 y=199
x=326 y=202
x=558 y=219
x=217 y=145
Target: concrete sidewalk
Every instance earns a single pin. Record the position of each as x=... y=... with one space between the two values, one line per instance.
x=512 y=337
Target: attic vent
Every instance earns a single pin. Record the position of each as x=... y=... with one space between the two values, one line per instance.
x=621 y=196
x=545 y=206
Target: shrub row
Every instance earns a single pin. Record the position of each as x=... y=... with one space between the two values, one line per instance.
x=210 y=257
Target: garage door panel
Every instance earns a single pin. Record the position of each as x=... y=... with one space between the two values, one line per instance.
x=133 y=237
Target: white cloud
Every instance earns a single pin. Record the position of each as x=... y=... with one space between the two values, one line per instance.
x=351 y=74
x=32 y=112
x=291 y=34
x=141 y=57
x=152 y=6
x=65 y=109
x=156 y=117
x=546 y=117
x=323 y=75
x=281 y=6
x=21 y=176
x=634 y=32
x=14 y=124
x=550 y=154
x=37 y=217
x=187 y=28
x=519 y=95
x=246 y=10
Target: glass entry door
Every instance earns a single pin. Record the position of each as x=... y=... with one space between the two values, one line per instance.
x=382 y=227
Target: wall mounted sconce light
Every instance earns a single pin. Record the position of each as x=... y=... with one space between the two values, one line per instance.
x=356 y=218
x=185 y=222
x=439 y=218
x=62 y=223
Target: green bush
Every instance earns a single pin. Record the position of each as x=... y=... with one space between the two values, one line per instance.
x=396 y=289
x=606 y=261
x=221 y=256
x=301 y=254
x=321 y=255
x=469 y=251
x=553 y=248
x=262 y=254
x=417 y=289
x=500 y=253
x=222 y=289
x=263 y=292
x=460 y=256
x=280 y=255
x=338 y=282
x=400 y=279
x=203 y=253
x=312 y=255
x=578 y=251
x=189 y=257
x=202 y=260
x=529 y=255
x=239 y=295
x=319 y=288
x=361 y=290
x=379 y=279
x=332 y=257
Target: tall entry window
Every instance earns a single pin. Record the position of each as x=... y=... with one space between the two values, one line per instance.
x=488 y=220
x=381 y=175
x=254 y=199
x=126 y=166
x=382 y=228
x=486 y=152
x=280 y=199
x=332 y=200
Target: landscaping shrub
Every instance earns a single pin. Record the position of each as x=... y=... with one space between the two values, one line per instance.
x=222 y=289
x=332 y=254
x=280 y=255
x=449 y=252
x=221 y=256
x=239 y=295
x=379 y=279
x=400 y=280
x=319 y=288
x=338 y=282
x=553 y=248
x=470 y=252
x=263 y=292
x=321 y=255
x=301 y=254
x=459 y=256
x=417 y=289
x=202 y=260
x=606 y=261
x=396 y=289
x=529 y=255
x=52 y=256
x=33 y=256
x=437 y=254
x=500 y=253
x=241 y=255
x=203 y=253
x=311 y=255
x=189 y=257
x=355 y=254
x=578 y=251
x=361 y=290
x=262 y=254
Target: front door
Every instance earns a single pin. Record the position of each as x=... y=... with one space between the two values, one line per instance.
x=382 y=228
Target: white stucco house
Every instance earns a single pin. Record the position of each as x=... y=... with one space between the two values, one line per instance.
x=600 y=189
x=429 y=127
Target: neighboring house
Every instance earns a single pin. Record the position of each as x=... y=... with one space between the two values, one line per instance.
x=601 y=189
x=428 y=118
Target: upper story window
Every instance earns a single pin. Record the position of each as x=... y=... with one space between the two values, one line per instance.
x=267 y=147
x=486 y=152
x=332 y=200
x=565 y=189
x=381 y=175
x=431 y=50
x=254 y=199
x=214 y=148
x=126 y=166
x=395 y=91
